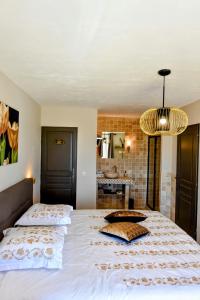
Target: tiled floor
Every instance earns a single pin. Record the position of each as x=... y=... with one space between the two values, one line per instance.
x=110 y=201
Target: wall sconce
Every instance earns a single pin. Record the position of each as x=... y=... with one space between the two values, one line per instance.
x=29 y=175
x=128 y=145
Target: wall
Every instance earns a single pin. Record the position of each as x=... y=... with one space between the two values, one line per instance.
x=29 y=137
x=193 y=112
x=134 y=162
x=168 y=176
x=85 y=120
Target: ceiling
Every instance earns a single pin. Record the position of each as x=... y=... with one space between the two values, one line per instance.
x=102 y=53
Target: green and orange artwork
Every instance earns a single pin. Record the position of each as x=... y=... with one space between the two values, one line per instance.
x=9 y=132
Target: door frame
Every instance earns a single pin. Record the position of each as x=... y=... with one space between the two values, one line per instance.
x=44 y=129
x=154 y=175
x=196 y=183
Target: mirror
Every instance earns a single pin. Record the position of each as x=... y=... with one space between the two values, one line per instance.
x=111 y=145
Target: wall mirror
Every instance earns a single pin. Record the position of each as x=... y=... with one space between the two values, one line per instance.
x=111 y=145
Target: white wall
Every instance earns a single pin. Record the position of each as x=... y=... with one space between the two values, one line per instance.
x=165 y=171
x=168 y=176
x=85 y=119
x=193 y=112
x=29 y=137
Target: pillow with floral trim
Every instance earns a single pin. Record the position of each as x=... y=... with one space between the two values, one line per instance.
x=31 y=247
x=43 y=229
x=45 y=214
x=125 y=216
x=125 y=230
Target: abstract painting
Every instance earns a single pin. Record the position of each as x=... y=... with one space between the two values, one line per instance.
x=9 y=132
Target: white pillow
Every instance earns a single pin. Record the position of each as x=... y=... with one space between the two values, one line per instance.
x=32 y=247
x=34 y=229
x=44 y=214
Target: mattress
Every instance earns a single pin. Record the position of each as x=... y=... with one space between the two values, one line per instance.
x=162 y=265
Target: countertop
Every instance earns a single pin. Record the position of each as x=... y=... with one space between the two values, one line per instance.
x=119 y=180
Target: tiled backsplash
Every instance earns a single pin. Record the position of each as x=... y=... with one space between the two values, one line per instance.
x=135 y=161
x=168 y=195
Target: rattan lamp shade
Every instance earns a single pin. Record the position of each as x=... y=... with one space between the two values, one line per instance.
x=164 y=120
x=176 y=121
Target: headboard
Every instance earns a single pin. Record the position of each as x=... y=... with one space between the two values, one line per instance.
x=14 y=201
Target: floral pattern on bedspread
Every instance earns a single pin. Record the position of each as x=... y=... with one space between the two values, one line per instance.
x=96 y=227
x=149 y=265
x=157 y=252
x=177 y=253
x=146 y=243
x=163 y=265
x=144 y=281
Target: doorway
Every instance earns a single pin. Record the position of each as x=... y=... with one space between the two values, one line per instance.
x=153 y=172
x=187 y=179
x=58 y=165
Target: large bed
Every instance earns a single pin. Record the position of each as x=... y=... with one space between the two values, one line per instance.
x=162 y=265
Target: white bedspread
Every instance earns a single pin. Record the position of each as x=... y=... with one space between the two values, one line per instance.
x=163 y=265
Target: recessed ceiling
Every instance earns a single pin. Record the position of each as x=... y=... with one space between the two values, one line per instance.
x=102 y=53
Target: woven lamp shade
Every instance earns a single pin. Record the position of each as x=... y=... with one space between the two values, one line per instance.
x=176 y=121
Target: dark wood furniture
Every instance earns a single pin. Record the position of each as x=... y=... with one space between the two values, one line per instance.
x=153 y=172
x=14 y=201
x=187 y=179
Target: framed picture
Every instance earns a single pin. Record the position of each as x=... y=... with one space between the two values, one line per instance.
x=9 y=132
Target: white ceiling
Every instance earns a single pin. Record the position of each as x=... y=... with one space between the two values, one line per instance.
x=102 y=53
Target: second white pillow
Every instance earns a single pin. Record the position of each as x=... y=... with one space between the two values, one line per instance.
x=44 y=214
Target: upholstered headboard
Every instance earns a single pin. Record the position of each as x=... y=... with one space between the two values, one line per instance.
x=14 y=201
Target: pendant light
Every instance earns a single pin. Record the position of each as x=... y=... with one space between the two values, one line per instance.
x=164 y=120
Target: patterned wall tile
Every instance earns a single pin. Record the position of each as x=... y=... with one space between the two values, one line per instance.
x=134 y=162
x=168 y=195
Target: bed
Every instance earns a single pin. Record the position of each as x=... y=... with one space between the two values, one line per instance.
x=162 y=265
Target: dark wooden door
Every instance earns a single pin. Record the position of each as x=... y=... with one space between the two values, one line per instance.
x=187 y=179
x=58 y=165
